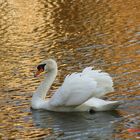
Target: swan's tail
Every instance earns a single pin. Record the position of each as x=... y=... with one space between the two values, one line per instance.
x=99 y=105
x=110 y=105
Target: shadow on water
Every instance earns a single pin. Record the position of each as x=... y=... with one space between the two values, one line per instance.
x=88 y=124
x=77 y=34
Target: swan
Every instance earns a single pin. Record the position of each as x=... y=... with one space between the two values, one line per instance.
x=79 y=91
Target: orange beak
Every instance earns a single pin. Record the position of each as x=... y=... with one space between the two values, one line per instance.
x=38 y=72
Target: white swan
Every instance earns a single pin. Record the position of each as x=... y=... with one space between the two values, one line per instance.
x=79 y=92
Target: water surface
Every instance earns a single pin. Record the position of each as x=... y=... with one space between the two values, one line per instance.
x=104 y=34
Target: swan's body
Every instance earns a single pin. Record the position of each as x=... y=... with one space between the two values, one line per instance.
x=79 y=92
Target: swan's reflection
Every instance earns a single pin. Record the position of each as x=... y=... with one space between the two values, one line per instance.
x=77 y=123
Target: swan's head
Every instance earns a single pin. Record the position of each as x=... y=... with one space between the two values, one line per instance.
x=46 y=66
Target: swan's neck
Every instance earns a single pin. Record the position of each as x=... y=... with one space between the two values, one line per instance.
x=45 y=85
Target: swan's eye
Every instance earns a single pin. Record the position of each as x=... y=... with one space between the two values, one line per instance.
x=41 y=66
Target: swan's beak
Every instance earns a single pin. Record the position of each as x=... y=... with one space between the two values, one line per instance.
x=38 y=72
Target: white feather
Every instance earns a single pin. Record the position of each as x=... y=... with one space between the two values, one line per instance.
x=103 y=79
x=79 y=92
x=75 y=90
x=79 y=87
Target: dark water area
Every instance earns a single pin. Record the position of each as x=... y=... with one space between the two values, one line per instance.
x=104 y=34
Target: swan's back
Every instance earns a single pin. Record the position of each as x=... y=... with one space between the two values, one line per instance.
x=75 y=90
x=79 y=87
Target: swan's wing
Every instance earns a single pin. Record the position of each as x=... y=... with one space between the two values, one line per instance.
x=76 y=89
x=98 y=75
x=103 y=79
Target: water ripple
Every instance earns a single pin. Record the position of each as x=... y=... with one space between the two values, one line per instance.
x=103 y=34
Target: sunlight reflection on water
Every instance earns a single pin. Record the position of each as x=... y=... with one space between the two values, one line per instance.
x=103 y=34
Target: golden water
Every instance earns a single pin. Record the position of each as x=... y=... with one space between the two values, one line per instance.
x=104 y=34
